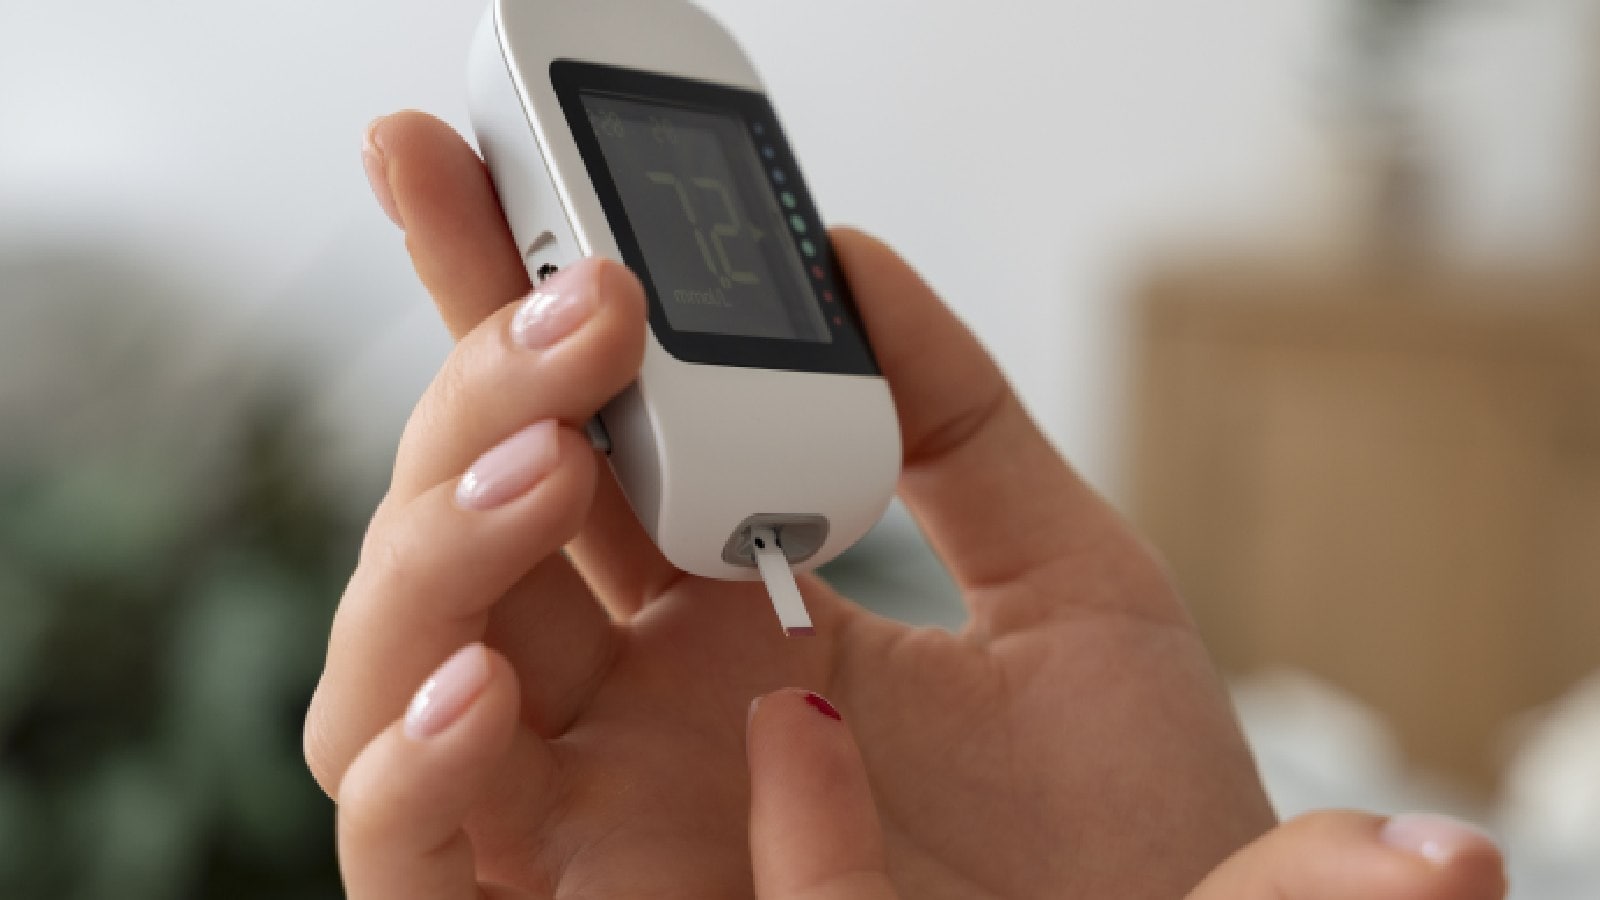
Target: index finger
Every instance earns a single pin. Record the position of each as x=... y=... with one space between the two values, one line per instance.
x=814 y=830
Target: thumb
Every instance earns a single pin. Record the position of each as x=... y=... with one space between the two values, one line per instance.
x=1355 y=856
x=814 y=831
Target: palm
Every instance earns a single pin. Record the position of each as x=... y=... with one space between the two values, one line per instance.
x=1001 y=768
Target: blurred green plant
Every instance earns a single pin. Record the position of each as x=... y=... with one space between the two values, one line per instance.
x=169 y=561
x=162 y=635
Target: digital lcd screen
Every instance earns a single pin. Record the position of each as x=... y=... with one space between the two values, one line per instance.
x=716 y=245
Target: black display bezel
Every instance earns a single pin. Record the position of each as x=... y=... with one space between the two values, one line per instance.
x=848 y=353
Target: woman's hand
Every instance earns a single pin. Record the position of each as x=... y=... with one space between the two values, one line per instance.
x=814 y=828
x=1072 y=740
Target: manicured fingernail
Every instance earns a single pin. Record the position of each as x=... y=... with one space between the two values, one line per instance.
x=373 y=160
x=554 y=311
x=821 y=705
x=1437 y=839
x=448 y=693
x=511 y=469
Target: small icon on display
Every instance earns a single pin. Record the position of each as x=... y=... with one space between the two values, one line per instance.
x=817 y=273
x=789 y=202
x=779 y=176
x=769 y=153
x=808 y=248
x=798 y=224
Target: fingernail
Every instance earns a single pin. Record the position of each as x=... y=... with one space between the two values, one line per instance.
x=552 y=313
x=750 y=714
x=372 y=159
x=509 y=470
x=448 y=693
x=821 y=705
x=1437 y=839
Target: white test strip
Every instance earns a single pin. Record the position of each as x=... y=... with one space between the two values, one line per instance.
x=785 y=594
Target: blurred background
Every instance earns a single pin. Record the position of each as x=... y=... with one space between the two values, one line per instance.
x=1307 y=287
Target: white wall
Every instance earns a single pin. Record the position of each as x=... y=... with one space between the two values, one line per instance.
x=1019 y=152
x=1023 y=154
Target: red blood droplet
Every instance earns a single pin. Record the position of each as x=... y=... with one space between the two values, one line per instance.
x=821 y=705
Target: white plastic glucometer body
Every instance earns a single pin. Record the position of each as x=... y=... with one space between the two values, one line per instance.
x=639 y=131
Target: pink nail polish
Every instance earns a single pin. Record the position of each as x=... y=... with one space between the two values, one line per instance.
x=448 y=693
x=552 y=313
x=377 y=167
x=1437 y=839
x=511 y=469
x=821 y=705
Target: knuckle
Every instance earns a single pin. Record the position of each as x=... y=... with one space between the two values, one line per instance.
x=452 y=386
x=387 y=557
x=378 y=799
x=360 y=804
x=462 y=377
x=314 y=745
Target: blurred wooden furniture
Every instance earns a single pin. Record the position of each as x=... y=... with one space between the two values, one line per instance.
x=1390 y=481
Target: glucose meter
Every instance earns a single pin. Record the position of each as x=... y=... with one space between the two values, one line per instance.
x=760 y=438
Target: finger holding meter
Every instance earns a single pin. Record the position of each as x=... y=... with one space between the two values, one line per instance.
x=760 y=437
